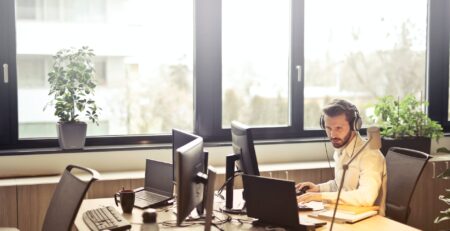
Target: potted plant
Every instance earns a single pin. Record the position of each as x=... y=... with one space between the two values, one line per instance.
x=404 y=123
x=72 y=85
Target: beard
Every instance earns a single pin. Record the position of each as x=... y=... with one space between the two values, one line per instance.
x=339 y=143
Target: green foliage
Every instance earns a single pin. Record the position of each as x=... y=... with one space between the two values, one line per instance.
x=405 y=118
x=443 y=150
x=445 y=214
x=72 y=84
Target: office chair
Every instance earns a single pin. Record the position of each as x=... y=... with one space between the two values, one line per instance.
x=67 y=198
x=404 y=167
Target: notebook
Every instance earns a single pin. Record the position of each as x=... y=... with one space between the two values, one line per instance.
x=347 y=213
x=273 y=202
x=344 y=217
x=158 y=185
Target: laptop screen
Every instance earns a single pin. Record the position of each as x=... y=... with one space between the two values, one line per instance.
x=158 y=177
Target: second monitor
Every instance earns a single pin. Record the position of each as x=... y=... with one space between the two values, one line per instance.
x=243 y=157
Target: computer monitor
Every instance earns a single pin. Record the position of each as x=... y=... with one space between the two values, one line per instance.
x=242 y=141
x=194 y=187
x=180 y=138
x=243 y=157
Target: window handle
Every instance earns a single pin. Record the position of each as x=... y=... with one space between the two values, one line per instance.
x=5 y=73
x=299 y=73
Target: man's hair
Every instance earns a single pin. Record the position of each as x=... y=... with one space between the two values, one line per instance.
x=340 y=106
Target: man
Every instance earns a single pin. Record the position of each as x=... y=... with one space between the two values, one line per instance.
x=365 y=180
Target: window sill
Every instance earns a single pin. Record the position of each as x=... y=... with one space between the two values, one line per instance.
x=57 y=150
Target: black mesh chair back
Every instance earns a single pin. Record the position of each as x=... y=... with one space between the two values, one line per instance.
x=67 y=198
x=404 y=167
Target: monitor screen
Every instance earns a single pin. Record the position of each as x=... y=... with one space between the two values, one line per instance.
x=242 y=141
x=180 y=138
x=190 y=162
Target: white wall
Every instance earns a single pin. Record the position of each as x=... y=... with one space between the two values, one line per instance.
x=47 y=164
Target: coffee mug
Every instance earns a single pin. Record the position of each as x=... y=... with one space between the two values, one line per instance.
x=126 y=200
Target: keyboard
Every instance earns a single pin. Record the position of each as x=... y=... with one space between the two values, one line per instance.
x=150 y=197
x=145 y=199
x=105 y=218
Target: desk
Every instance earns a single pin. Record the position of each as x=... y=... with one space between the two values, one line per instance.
x=166 y=214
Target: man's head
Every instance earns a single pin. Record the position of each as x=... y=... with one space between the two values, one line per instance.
x=340 y=120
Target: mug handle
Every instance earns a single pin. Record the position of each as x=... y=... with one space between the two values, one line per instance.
x=115 y=198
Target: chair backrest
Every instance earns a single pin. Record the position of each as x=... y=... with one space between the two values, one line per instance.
x=67 y=198
x=404 y=167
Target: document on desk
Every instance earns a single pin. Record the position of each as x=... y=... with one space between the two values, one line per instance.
x=314 y=205
x=344 y=217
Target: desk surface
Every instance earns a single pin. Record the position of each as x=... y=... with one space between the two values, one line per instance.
x=166 y=214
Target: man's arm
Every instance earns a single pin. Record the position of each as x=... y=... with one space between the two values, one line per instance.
x=329 y=186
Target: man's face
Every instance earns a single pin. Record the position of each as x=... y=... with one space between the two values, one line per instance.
x=338 y=130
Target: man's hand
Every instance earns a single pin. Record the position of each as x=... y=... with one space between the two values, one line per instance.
x=307 y=197
x=312 y=187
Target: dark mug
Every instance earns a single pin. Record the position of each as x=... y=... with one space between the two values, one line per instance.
x=126 y=200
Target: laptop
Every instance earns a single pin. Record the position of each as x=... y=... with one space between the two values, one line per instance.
x=273 y=202
x=158 y=185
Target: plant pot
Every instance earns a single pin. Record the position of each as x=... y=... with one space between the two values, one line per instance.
x=422 y=144
x=71 y=135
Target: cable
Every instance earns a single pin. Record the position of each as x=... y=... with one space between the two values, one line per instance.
x=219 y=192
x=328 y=157
x=199 y=221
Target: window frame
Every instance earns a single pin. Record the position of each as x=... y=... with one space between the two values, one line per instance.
x=438 y=61
x=207 y=77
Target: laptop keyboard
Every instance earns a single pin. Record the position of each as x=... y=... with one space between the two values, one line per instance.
x=149 y=198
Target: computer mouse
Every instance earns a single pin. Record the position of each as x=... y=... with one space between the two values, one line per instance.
x=301 y=191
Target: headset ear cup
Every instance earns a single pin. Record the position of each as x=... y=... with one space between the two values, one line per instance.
x=322 y=122
x=357 y=123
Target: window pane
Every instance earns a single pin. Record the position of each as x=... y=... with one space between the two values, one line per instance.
x=144 y=62
x=255 y=62
x=361 y=50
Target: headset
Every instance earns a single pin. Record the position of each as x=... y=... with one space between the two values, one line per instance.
x=355 y=122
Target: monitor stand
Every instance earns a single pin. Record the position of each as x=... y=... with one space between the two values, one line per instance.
x=238 y=211
x=206 y=211
x=229 y=189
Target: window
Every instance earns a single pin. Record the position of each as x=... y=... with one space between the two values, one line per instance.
x=255 y=62
x=361 y=50
x=143 y=67
x=269 y=63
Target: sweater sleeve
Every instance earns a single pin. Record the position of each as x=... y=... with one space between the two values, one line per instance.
x=329 y=186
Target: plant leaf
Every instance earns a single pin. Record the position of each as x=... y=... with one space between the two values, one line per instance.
x=444 y=215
